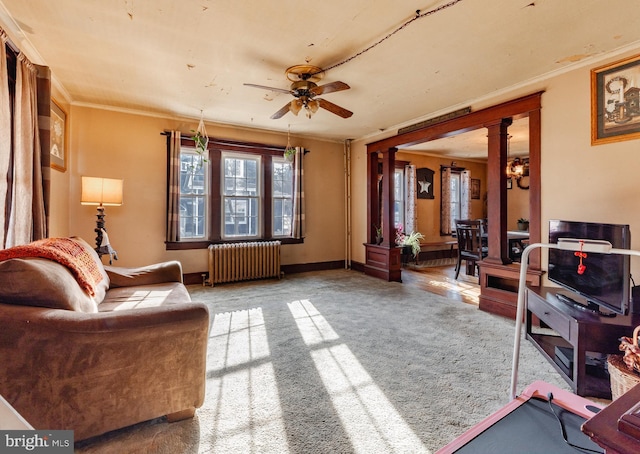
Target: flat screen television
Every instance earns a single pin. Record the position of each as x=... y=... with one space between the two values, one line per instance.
x=606 y=279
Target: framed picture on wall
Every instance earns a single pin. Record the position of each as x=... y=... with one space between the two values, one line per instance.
x=424 y=183
x=615 y=101
x=475 y=188
x=58 y=147
x=509 y=183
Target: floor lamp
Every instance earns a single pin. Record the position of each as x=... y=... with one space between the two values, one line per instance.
x=102 y=192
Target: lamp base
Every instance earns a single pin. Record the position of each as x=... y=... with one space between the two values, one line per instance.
x=99 y=226
x=102 y=239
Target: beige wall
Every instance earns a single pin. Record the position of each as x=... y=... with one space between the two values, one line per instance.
x=517 y=204
x=129 y=146
x=579 y=181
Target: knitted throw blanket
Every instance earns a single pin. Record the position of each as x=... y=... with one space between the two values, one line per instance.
x=66 y=252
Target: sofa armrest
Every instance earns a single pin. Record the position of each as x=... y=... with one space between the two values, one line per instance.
x=158 y=273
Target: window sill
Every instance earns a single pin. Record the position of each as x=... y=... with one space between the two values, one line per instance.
x=204 y=244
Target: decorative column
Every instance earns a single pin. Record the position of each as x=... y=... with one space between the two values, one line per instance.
x=497 y=192
x=382 y=260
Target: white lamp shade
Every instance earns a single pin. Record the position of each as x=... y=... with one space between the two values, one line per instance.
x=101 y=191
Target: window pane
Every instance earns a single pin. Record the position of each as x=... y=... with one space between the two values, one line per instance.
x=455 y=199
x=398 y=195
x=192 y=174
x=241 y=176
x=397 y=185
x=193 y=195
x=282 y=209
x=282 y=180
x=240 y=217
x=192 y=217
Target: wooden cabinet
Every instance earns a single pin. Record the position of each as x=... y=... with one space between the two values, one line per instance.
x=575 y=341
x=615 y=428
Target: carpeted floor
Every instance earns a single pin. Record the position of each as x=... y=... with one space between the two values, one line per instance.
x=338 y=362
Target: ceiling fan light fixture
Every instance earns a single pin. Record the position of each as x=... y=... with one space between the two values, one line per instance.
x=295 y=106
x=304 y=88
x=311 y=106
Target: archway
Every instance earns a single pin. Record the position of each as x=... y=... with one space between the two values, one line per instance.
x=498 y=276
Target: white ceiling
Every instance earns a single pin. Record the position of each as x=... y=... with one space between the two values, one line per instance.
x=181 y=57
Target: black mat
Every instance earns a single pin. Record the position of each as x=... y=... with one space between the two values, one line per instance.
x=532 y=428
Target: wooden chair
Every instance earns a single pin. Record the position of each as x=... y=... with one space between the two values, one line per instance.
x=470 y=248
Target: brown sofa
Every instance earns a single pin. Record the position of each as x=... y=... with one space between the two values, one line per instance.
x=133 y=351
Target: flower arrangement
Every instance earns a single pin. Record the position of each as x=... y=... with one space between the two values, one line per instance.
x=411 y=240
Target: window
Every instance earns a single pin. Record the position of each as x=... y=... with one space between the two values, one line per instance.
x=238 y=192
x=193 y=195
x=455 y=200
x=455 y=204
x=282 y=198
x=241 y=196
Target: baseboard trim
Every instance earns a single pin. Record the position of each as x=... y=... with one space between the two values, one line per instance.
x=318 y=266
x=198 y=278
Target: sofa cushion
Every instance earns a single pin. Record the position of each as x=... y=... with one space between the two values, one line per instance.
x=44 y=283
x=144 y=296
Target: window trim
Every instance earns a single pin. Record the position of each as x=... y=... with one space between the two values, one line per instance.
x=215 y=148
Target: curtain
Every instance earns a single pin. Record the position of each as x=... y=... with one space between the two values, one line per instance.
x=173 y=190
x=465 y=194
x=445 y=206
x=298 y=221
x=411 y=213
x=5 y=136
x=27 y=220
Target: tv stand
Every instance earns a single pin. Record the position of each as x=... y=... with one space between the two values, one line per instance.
x=589 y=307
x=576 y=341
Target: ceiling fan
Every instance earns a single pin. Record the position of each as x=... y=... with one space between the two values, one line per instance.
x=304 y=88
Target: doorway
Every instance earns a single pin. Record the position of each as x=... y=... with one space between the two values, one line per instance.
x=498 y=273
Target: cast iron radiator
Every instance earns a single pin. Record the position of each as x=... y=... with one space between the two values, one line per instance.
x=232 y=262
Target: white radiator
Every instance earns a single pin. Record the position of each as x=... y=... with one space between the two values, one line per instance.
x=232 y=262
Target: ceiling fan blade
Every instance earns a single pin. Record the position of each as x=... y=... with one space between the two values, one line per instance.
x=281 y=112
x=333 y=108
x=329 y=88
x=264 y=87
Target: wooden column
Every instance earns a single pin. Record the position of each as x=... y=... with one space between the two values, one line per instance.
x=535 y=187
x=382 y=260
x=373 y=210
x=497 y=191
x=388 y=166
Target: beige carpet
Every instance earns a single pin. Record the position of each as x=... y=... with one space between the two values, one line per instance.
x=337 y=362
